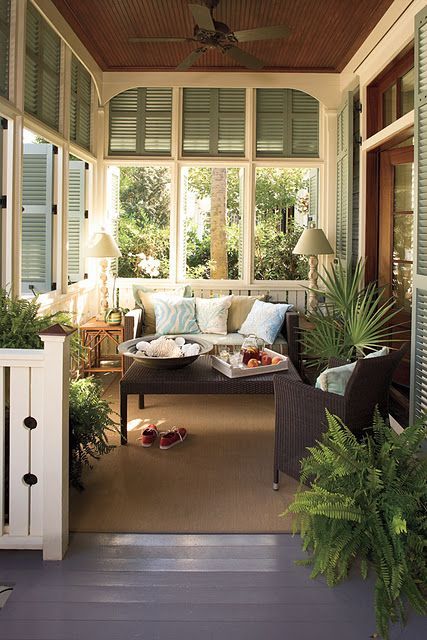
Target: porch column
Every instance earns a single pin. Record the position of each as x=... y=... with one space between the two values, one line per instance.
x=56 y=341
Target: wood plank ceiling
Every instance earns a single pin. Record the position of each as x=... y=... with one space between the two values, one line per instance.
x=323 y=35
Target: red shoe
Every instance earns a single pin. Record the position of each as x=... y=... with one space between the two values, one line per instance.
x=172 y=437
x=149 y=435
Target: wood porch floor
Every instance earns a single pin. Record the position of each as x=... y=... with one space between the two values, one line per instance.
x=166 y=587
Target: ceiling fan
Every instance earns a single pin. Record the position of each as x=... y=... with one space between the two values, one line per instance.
x=210 y=34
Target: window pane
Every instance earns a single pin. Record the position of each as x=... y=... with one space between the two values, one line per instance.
x=144 y=222
x=389 y=106
x=407 y=89
x=212 y=222
x=404 y=187
x=402 y=284
x=403 y=236
x=282 y=208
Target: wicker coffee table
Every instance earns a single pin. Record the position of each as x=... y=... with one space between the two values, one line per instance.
x=198 y=378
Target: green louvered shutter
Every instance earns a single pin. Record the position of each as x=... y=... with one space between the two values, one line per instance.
x=37 y=193
x=113 y=210
x=356 y=185
x=2 y=192
x=313 y=191
x=76 y=216
x=231 y=122
x=42 y=69
x=304 y=129
x=80 y=104
x=213 y=122
x=344 y=181
x=287 y=124
x=141 y=122
x=4 y=47
x=418 y=401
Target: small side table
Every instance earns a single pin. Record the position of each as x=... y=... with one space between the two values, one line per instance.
x=93 y=335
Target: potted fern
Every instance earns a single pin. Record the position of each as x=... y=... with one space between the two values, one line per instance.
x=354 y=319
x=90 y=423
x=366 y=505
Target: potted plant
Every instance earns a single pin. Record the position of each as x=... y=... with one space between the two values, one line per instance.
x=354 y=319
x=366 y=506
x=20 y=325
x=90 y=422
x=114 y=314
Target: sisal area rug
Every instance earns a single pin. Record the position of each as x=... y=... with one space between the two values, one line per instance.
x=218 y=481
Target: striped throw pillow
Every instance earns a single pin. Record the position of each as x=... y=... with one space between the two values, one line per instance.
x=174 y=314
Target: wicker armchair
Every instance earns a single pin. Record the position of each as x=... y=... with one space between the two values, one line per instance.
x=300 y=408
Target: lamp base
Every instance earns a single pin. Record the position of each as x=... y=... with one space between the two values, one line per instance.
x=312 y=276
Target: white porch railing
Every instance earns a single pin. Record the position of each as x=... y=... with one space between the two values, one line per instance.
x=34 y=436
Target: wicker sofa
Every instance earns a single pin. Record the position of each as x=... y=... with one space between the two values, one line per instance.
x=286 y=342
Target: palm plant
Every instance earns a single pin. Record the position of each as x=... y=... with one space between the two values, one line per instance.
x=366 y=505
x=354 y=318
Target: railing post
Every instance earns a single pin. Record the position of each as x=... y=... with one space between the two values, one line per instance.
x=56 y=341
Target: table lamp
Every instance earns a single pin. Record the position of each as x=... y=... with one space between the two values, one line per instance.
x=102 y=245
x=313 y=243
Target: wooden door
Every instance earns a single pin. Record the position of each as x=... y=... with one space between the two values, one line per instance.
x=395 y=247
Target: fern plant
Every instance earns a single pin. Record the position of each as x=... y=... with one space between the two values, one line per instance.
x=21 y=322
x=90 y=422
x=367 y=504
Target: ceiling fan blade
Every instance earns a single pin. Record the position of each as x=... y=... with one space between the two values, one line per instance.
x=202 y=17
x=263 y=33
x=159 y=39
x=244 y=58
x=191 y=59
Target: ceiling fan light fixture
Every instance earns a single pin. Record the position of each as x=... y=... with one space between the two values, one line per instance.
x=212 y=34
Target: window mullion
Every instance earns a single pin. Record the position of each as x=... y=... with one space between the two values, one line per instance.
x=214 y=122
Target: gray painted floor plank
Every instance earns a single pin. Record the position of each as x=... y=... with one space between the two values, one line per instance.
x=185 y=540
x=195 y=594
x=194 y=631
x=172 y=587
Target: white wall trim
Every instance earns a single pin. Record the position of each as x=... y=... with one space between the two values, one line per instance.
x=323 y=86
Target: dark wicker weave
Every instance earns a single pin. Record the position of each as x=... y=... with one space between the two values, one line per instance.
x=198 y=378
x=300 y=409
x=289 y=330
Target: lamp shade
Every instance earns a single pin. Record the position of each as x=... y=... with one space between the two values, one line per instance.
x=313 y=242
x=102 y=245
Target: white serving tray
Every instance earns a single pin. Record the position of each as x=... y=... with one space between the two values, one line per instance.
x=243 y=371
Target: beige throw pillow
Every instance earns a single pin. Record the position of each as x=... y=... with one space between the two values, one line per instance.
x=239 y=311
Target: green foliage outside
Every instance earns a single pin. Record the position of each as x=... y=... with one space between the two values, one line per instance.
x=144 y=222
x=198 y=249
x=90 y=422
x=144 y=219
x=366 y=507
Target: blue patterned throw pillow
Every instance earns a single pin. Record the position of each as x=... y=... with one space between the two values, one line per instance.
x=175 y=314
x=265 y=320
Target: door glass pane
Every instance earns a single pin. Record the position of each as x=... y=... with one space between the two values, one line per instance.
x=404 y=187
x=212 y=222
x=407 y=92
x=402 y=236
x=389 y=105
x=402 y=284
